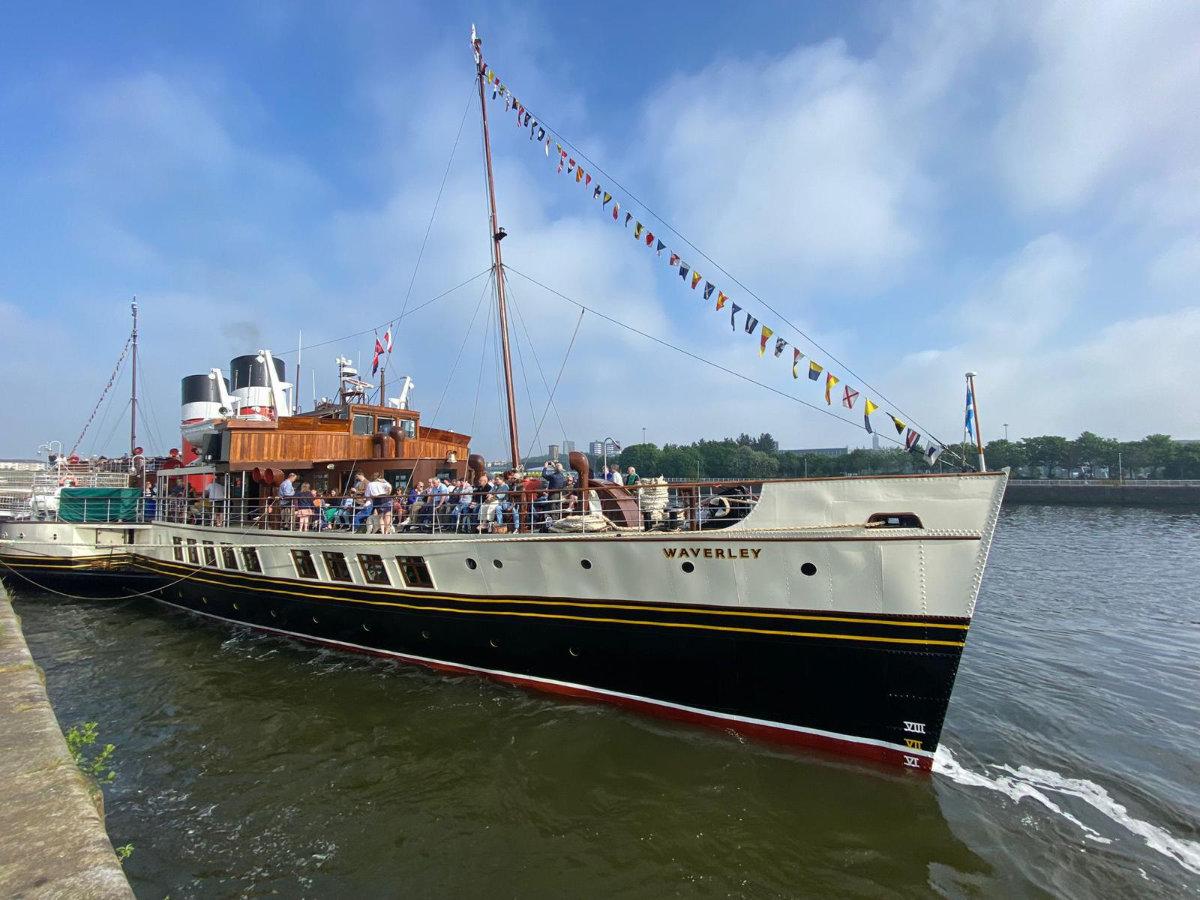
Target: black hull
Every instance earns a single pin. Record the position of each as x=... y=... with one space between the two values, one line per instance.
x=74 y=578
x=854 y=684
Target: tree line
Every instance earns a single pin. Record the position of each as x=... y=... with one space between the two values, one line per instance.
x=1155 y=456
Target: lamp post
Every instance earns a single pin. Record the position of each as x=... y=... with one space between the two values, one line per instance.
x=604 y=451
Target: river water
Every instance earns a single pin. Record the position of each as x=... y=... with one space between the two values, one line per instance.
x=248 y=765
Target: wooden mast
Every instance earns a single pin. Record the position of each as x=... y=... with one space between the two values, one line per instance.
x=133 y=398
x=497 y=234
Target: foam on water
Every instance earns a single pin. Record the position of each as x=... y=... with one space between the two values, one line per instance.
x=1036 y=784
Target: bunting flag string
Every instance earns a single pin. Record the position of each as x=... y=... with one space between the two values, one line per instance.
x=545 y=137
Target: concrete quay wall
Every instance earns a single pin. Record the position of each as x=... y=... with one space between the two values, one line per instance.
x=1180 y=496
x=52 y=838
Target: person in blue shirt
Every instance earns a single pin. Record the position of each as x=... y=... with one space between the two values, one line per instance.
x=287 y=491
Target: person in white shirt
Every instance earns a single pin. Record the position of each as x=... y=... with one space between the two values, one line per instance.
x=379 y=490
x=214 y=493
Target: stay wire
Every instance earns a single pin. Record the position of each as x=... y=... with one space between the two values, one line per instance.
x=433 y=215
x=566 y=356
x=688 y=353
x=461 y=347
x=636 y=199
x=104 y=393
x=375 y=328
x=536 y=360
x=482 y=356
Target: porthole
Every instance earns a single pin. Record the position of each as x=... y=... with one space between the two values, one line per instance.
x=497 y=564
x=235 y=606
x=315 y=622
x=365 y=627
x=274 y=615
x=425 y=635
x=494 y=642
x=572 y=651
x=204 y=600
x=808 y=569
x=471 y=564
x=688 y=567
x=586 y=563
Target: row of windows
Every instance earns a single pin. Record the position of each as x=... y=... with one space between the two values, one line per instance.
x=229 y=555
x=413 y=570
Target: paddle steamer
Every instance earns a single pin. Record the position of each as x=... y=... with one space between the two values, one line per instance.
x=828 y=612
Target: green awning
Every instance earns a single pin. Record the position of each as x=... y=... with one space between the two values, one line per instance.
x=99 y=504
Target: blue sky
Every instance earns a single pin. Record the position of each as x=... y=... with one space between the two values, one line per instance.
x=924 y=188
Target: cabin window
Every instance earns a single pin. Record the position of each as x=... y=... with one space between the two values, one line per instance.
x=383 y=423
x=177 y=549
x=193 y=556
x=414 y=571
x=250 y=559
x=303 y=561
x=894 y=520
x=210 y=554
x=229 y=557
x=410 y=428
x=373 y=569
x=335 y=563
x=398 y=478
x=363 y=424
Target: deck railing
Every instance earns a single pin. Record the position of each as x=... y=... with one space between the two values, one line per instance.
x=689 y=506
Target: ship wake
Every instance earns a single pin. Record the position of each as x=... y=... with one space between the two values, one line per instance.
x=1048 y=788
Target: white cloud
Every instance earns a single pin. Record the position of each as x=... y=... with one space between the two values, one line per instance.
x=1031 y=297
x=794 y=162
x=1112 y=91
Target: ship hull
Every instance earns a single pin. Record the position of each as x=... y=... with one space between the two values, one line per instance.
x=872 y=687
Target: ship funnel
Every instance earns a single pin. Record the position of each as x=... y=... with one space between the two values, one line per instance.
x=257 y=380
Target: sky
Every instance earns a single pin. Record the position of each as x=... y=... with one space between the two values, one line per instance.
x=905 y=191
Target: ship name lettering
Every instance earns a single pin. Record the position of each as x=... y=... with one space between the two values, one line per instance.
x=914 y=727
x=711 y=552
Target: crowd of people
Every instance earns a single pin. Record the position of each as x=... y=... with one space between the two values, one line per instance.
x=499 y=503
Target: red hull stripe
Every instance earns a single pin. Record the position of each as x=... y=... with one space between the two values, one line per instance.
x=775 y=732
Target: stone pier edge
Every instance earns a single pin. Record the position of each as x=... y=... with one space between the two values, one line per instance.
x=52 y=838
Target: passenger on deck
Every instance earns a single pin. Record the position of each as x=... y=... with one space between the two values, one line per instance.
x=287 y=493
x=214 y=493
x=631 y=476
x=305 y=507
x=380 y=492
x=614 y=475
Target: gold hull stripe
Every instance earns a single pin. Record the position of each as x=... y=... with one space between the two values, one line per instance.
x=597 y=619
x=183 y=568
